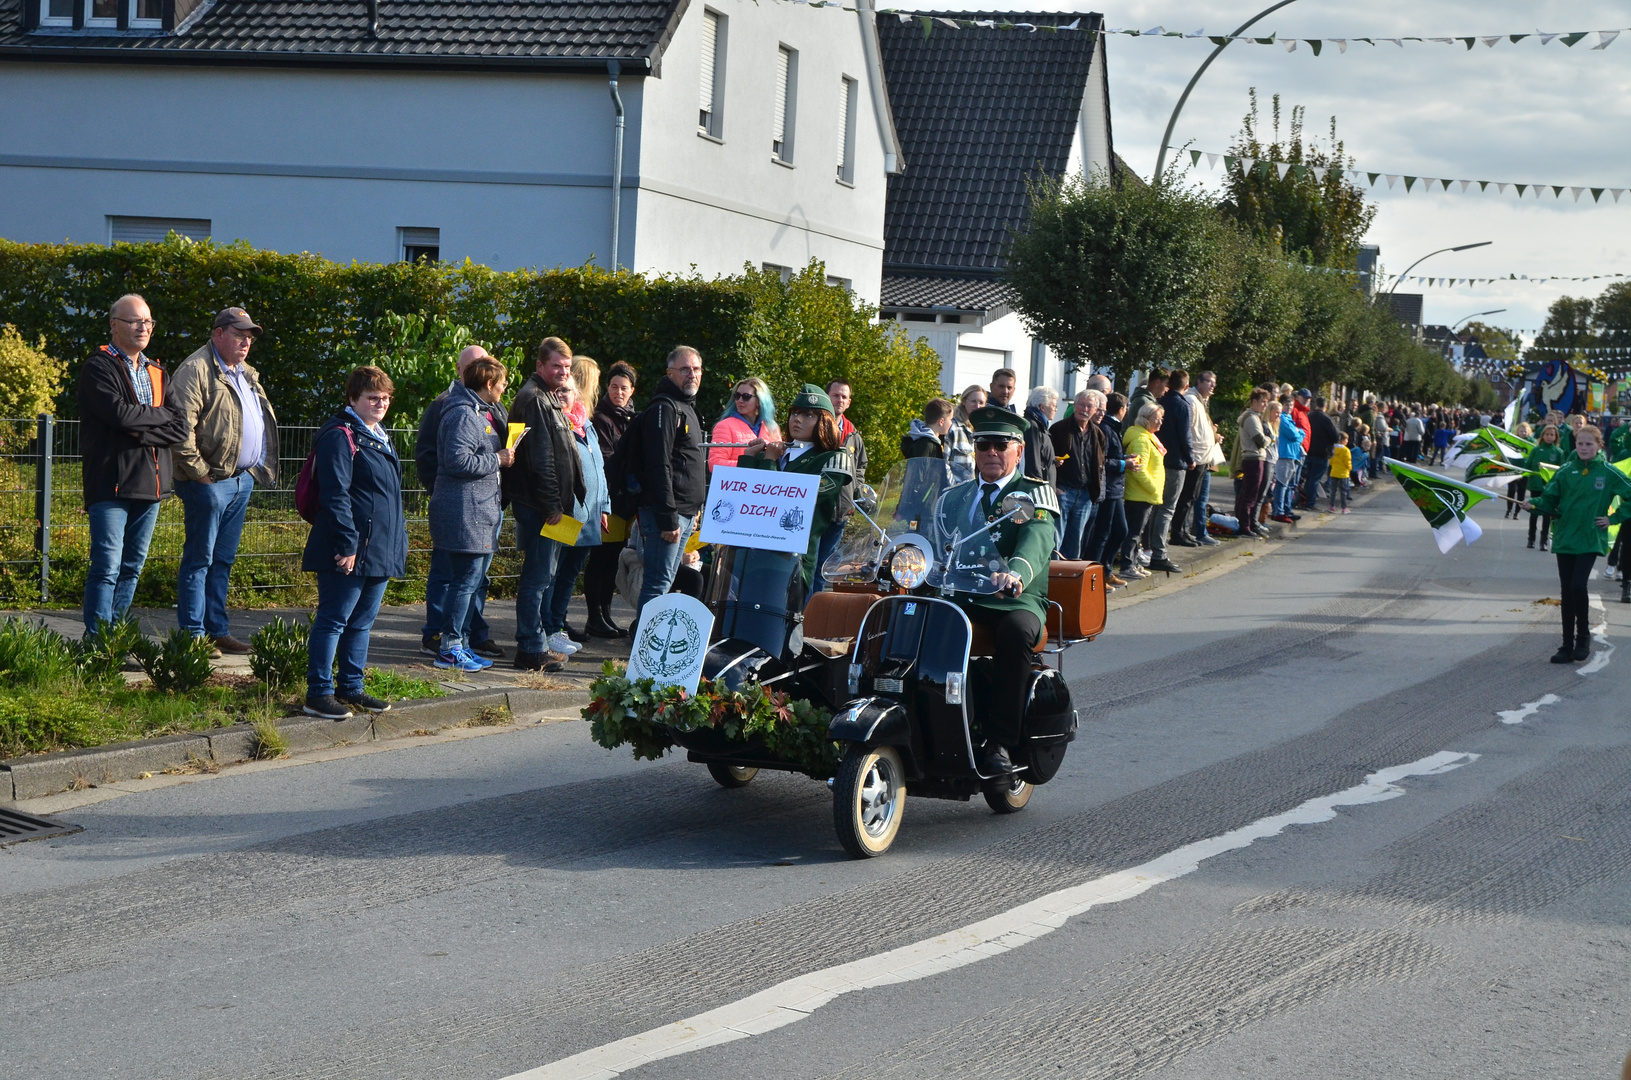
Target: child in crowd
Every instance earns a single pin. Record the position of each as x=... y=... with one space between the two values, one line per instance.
x=1362 y=462
x=1578 y=498
x=1341 y=469
x=1548 y=451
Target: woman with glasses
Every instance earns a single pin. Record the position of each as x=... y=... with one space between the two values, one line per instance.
x=960 y=439
x=815 y=449
x=358 y=542
x=750 y=415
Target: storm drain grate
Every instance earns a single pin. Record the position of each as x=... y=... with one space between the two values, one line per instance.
x=17 y=827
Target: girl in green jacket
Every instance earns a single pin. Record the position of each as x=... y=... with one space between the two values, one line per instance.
x=814 y=449
x=1549 y=451
x=1579 y=496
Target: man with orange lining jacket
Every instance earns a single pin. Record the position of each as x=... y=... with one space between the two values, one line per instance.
x=125 y=433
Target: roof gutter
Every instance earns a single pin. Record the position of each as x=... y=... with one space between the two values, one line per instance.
x=894 y=162
x=90 y=54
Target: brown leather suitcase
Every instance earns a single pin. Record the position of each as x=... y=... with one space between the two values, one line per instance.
x=1078 y=589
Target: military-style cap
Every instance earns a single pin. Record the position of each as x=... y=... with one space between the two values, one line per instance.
x=993 y=421
x=236 y=318
x=813 y=397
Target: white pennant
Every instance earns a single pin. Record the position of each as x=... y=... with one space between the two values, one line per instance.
x=1282 y=168
x=1290 y=44
x=1391 y=180
x=1577 y=192
x=1465 y=184
x=1501 y=188
x=1616 y=192
x=1546 y=39
x=1607 y=37
x=1342 y=44
x=1211 y=161
x=1491 y=41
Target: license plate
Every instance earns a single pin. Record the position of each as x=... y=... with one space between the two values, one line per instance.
x=887 y=686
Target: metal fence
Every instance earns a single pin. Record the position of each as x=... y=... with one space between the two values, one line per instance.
x=45 y=534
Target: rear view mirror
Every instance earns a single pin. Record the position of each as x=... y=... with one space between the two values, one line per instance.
x=1018 y=506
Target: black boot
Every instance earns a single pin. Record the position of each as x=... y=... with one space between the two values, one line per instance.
x=601 y=625
x=1565 y=655
x=1625 y=590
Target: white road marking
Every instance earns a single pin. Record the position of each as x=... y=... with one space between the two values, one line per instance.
x=795 y=999
x=1604 y=650
x=1530 y=708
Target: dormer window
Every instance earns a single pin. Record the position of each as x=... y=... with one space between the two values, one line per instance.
x=103 y=14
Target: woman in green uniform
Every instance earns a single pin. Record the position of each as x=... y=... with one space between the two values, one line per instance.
x=1547 y=451
x=814 y=449
x=1578 y=499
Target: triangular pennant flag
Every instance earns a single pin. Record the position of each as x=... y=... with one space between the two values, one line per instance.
x=949 y=22
x=1075 y=24
x=1194 y=157
x=927 y=25
x=1607 y=37
x=1314 y=43
x=1442 y=40
x=1465 y=184
x=1557 y=191
x=1409 y=182
x=1211 y=161
x=1395 y=41
x=1517 y=37
x=1282 y=168
x=1578 y=191
x=1502 y=188
x=1483 y=185
x=1571 y=40
x=1520 y=188
x=1490 y=41
x=1546 y=39
x=1321 y=173
x=1470 y=42
x=1290 y=44
x=1248 y=165
x=1342 y=45
x=1374 y=177
x=1616 y=192
x=1447 y=184
x=1229 y=161
x=1367 y=41
x=1391 y=180
x=1159 y=30
x=1220 y=40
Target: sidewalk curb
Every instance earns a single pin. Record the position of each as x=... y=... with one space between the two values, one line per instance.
x=49 y=774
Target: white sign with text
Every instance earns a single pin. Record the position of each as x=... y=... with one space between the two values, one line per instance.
x=671 y=641
x=756 y=508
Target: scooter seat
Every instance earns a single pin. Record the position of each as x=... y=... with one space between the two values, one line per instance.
x=836 y=616
x=983 y=644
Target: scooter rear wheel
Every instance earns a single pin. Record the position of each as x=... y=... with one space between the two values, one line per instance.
x=731 y=776
x=1009 y=799
x=869 y=797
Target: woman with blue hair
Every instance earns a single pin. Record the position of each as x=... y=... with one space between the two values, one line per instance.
x=750 y=415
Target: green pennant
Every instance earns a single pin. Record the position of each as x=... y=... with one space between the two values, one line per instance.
x=1557 y=191
x=1573 y=39
x=1313 y=43
x=1367 y=41
x=1409 y=182
x=927 y=24
x=1194 y=157
x=1229 y=161
x=1597 y=194
x=1264 y=40
x=1483 y=185
x=1515 y=38
x=1469 y=42
x=1520 y=188
x=1374 y=176
x=1219 y=40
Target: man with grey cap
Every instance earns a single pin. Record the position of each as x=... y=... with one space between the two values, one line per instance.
x=231 y=443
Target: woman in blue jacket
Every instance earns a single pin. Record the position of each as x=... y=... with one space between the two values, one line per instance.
x=357 y=544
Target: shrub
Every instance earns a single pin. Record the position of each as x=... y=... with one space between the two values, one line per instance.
x=32 y=655
x=179 y=664
x=101 y=656
x=278 y=653
x=29 y=379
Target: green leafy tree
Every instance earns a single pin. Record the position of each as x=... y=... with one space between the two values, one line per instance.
x=1498 y=343
x=29 y=381
x=1320 y=221
x=1611 y=316
x=1262 y=321
x=1120 y=275
x=1569 y=328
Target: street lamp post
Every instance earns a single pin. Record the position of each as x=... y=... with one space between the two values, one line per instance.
x=1429 y=255
x=1475 y=315
x=1161 y=156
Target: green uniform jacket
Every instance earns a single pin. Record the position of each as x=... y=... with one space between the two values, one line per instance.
x=1619 y=443
x=836 y=468
x=1551 y=454
x=1028 y=547
x=1579 y=494
x=1565 y=438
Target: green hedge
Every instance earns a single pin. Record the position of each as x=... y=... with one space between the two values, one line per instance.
x=317 y=313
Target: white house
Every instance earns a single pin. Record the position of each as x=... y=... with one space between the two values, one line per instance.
x=383 y=129
x=981 y=110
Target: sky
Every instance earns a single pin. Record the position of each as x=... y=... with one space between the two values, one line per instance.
x=1526 y=112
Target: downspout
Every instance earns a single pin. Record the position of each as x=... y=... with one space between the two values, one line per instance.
x=893 y=160
x=613 y=69
x=373 y=18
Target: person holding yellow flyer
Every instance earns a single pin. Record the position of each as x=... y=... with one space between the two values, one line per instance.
x=577 y=534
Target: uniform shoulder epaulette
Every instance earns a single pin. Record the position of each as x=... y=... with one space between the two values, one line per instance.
x=1043 y=495
x=842 y=462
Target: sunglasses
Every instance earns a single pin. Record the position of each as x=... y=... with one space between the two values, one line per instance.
x=991 y=446
x=745 y=395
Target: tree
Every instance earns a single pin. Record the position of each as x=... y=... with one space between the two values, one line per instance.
x=1611 y=316
x=1568 y=329
x=29 y=382
x=1498 y=344
x=1120 y=275
x=1314 y=220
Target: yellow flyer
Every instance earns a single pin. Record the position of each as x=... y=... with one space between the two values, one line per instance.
x=617 y=528
x=564 y=531
x=514 y=436
x=694 y=543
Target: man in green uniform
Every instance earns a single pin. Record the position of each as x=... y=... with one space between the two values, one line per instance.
x=1015 y=615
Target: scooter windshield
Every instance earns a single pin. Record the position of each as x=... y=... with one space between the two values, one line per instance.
x=903 y=497
x=967 y=555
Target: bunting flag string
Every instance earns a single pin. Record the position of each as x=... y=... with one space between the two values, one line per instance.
x=1570 y=39
x=1424 y=185
x=1446 y=281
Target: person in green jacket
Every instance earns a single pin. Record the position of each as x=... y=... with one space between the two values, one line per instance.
x=1017 y=612
x=1619 y=443
x=1546 y=451
x=1579 y=497
x=814 y=448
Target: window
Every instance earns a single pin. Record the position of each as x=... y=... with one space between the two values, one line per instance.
x=104 y=14
x=841 y=282
x=846 y=130
x=151 y=230
x=101 y=12
x=711 y=90
x=787 y=72
x=147 y=14
x=783 y=272
x=56 y=12
x=419 y=244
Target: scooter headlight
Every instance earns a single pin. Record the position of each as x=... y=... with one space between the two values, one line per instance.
x=909 y=566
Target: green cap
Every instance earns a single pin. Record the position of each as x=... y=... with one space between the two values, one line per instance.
x=813 y=397
x=993 y=421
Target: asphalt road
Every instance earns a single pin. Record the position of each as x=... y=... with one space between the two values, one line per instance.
x=527 y=901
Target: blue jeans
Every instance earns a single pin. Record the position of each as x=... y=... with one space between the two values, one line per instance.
x=568 y=562
x=468 y=570
x=441 y=572
x=662 y=559
x=1108 y=532
x=1286 y=474
x=1203 y=492
x=214 y=514
x=121 y=529
x=346 y=608
x=824 y=551
x=537 y=579
x=1313 y=472
x=1075 y=514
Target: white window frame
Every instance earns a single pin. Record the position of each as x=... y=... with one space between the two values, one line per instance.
x=783 y=272
x=848 y=91
x=417 y=236
x=47 y=19
x=100 y=24
x=144 y=24
x=784 y=114
x=711 y=120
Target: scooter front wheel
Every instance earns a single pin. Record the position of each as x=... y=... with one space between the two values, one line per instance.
x=1010 y=798
x=869 y=797
x=731 y=776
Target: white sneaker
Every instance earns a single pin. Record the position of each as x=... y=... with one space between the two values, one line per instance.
x=559 y=642
x=1144 y=557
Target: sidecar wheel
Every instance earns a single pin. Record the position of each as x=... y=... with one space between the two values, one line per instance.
x=731 y=776
x=869 y=796
x=1009 y=800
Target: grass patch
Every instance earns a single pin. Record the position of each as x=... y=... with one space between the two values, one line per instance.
x=269 y=740
x=490 y=716
x=393 y=685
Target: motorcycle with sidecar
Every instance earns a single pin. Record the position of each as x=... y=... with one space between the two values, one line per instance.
x=888 y=651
